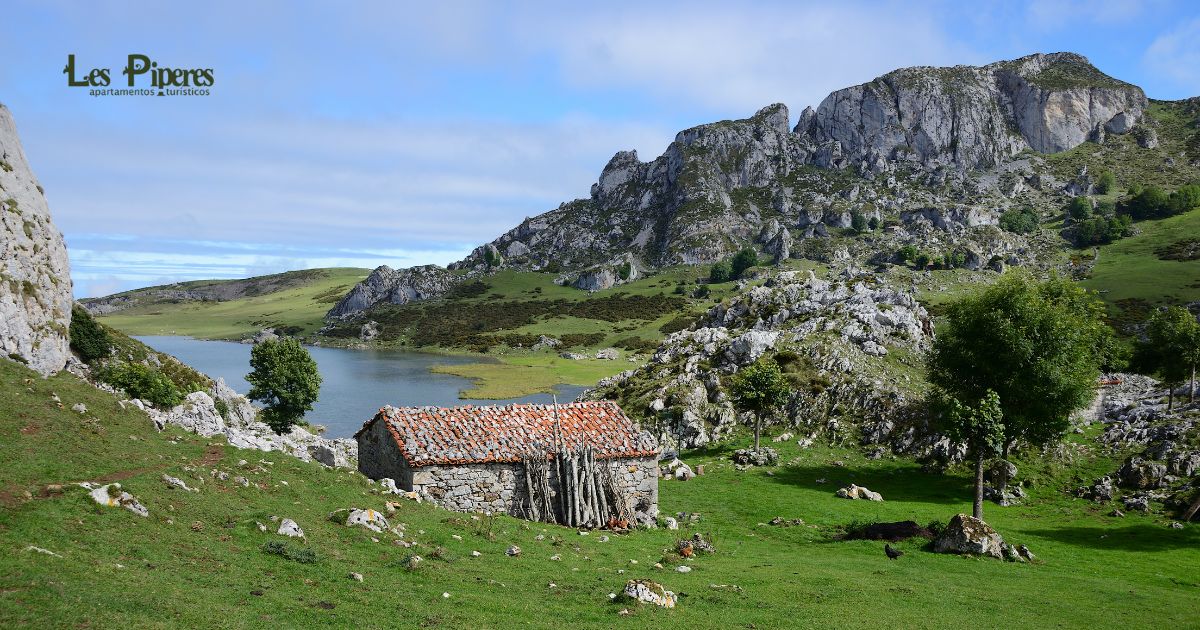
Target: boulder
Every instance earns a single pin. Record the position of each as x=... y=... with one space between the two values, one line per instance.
x=288 y=527
x=368 y=518
x=1138 y=473
x=858 y=492
x=968 y=535
x=648 y=592
x=111 y=495
x=608 y=354
x=175 y=482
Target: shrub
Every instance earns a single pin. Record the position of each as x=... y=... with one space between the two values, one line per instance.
x=1150 y=202
x=1019 y=221
x=908 y=253
x=142 y=381
x=701 y=292
x=743 y=260
x=683 y=322
x=1185 y=199
x=88 y=338
x=303 y=555
x=1100 y=230
x=873 y=224
x=921 y=261
x=1106 y=182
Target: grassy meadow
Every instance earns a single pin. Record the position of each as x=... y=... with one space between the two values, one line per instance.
x=198 y=560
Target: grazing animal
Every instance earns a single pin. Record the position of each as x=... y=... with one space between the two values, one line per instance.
x=892 y=553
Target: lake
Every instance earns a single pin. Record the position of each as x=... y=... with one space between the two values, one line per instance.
x=356 y=383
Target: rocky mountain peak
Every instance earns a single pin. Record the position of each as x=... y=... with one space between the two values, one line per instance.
x=35 y=277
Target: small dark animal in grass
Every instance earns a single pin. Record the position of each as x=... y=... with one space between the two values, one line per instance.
x=892 y=553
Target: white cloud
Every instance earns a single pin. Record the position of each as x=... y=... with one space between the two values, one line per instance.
x=1175 y=56
x=741 y=58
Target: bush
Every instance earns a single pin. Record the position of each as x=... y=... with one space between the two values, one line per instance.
x=144 y=382
x=1106 y=182
x=720 y=272
x=1100 y=230
x=701 y=292
x=1019 y=221
x=908 y=253
x=873 y=224
x=921 y=261
x=88 y=338
x=743 y=260
x=303 y=555
x=1185 y=199
x=1150 y=202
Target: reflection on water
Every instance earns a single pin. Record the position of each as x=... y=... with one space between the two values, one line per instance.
x=355 y=384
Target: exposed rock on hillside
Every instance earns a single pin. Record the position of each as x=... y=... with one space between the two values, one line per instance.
x=202 y=291
x=833 y=336
x=903 y=145
x=35 y=276
x=395 y=286
x=971 y=117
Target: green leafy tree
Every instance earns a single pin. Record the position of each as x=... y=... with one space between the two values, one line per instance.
x=720 y=272
x=1037 y=345
x=88 y=338
x=1150 y=202
x=1019 y=220
x=759 y=388
x=980 y=426
x=1185 y=199
x=873 y=224
x=858 y=222
x=908 y=253
x=743 y=260
x=283 y=377
x=922 y=260
x=1080 y=208
x=1172 y=349
x=1106 y=182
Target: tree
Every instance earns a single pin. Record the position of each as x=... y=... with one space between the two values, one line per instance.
x=1080 y=208
x=1150 y=202
x=922 y=260
x=759 y=388
x=88 y=338
x=873 y=224
x=283 y=377
x=743 y=260
x=1171 y=349
x=1105 y=182
x=1037 y=345
x=1019 y=221
x=981 y=428
x=1185 y=199
x=720 y=272
x=908 y=253
x=858 y=222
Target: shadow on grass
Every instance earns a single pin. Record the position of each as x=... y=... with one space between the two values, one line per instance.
x=1144 y=537
x=895 y=483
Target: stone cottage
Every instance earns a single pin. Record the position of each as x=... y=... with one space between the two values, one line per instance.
x=470 y=459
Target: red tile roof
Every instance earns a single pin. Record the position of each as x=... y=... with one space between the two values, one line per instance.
x=470 y=434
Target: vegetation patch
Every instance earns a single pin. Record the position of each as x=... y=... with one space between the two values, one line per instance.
x=1182 y=250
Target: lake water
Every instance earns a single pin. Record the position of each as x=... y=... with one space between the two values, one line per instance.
x=356 y=383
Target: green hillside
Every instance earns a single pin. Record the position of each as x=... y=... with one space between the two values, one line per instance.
x=198 y=560
x=300 y=303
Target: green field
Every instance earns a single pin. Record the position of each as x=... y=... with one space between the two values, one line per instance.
x=198 y=559
x=303 y=306
x=1129 y=269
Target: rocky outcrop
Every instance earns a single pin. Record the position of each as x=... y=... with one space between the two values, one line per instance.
x=395 y=286
x=35 y=276
x=239 y=424
x=969 y=535
x=970 y=117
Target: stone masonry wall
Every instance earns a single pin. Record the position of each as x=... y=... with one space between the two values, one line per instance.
x=379 y=456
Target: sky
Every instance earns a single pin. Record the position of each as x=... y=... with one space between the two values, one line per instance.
x=370 y=133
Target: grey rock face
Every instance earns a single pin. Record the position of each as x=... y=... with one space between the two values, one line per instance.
x=35 y=276
x=395 y=286
x=971 y=117
x=969 y=535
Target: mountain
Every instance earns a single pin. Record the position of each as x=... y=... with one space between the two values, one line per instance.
x=907 y=141
x=35 y=275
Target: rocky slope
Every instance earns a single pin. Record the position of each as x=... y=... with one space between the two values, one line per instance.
x=202 y=291
x=391 y=286
x=911 y=141
x=35 y=277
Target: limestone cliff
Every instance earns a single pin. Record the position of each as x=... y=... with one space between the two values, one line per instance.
x=908 y=141
x=395 y=286
x=35 y=276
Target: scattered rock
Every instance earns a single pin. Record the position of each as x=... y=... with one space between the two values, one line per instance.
x=764 y=456
x=670 y=523
x=608 y=354
x=1116 y=513
x=42 y=551
x=175 y=482
x=112 y=496
x=858 y=492
x=288 y=527
x=79 y=407
x=683 y=568
x=1140 y=502
x=368 y=518
x=513 y=551
x=649 y=592
x=357 y=577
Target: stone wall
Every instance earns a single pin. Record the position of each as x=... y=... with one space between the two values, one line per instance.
x=379 y=456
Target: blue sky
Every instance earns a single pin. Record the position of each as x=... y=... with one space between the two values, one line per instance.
x=367 y=133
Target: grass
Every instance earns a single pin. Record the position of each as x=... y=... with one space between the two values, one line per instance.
x=303 y=306
x=530 y=373
x=200 y=561
x=1129 y=269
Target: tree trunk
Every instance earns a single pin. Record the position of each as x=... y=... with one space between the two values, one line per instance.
x=1004 y=473
x=757 y=429
x=977 y=509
